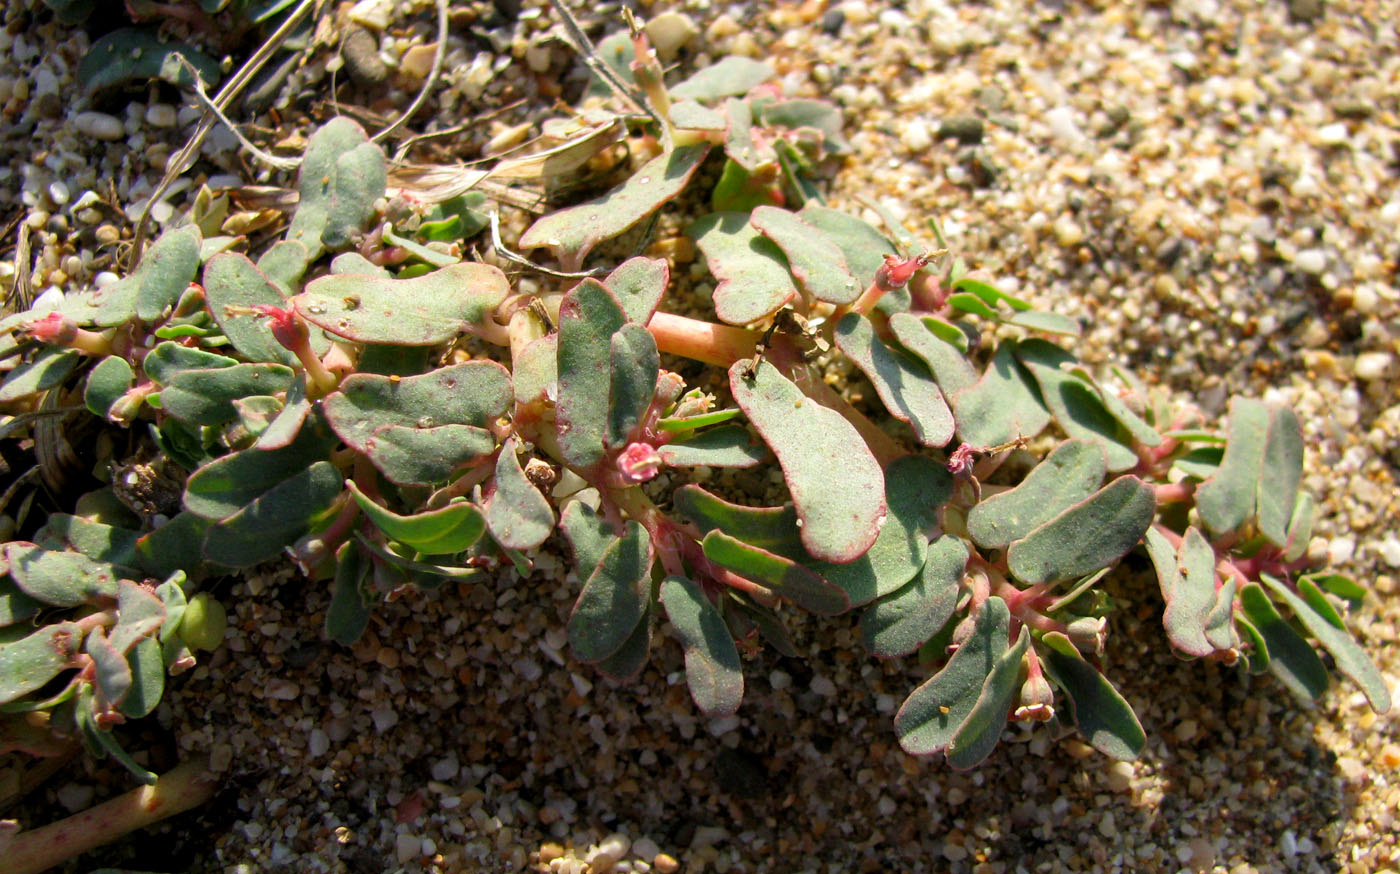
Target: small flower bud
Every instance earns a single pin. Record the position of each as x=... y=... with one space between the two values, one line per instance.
x=961 y=461
x=895 y=272
x=639 y=462
x=1037 y=701
x=1089 y=632
x=55 y=329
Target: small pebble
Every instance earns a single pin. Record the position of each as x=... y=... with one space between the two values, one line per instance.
x=99 y=125
x=318 y=743
x=965 y=129
x=75 y=796
x=1390 y=551
x=160 y=115
x=665 y=863
x=444 y=770
x=407 y=847
x=417 y=62
x=1311 y=261
x=374 y=14
x=645 y=848
x=1372 y=365
x=362 y=61
x=670 y=32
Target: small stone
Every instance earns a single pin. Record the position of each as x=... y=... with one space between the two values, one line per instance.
x=670 y=32
x=387 y=656
x=916 y=136
x=361 y=55
x=75 y=796
x=1305 y=11
x=1068 y=233
x=549 y=852
x=107 y=235
x=374 y=14
x=318 y=743
x=283 y=690
x=1311 y=261
x=1119 y=776
x=160 y=115
x=1372 y=365
x=954 y=852
x=608 y=853
x=58 y=192
x=666 y=864
x=645 y=848
x=99 y=125
x=823 y=686
x=417 y=62
x=1341 y=549
x=1390 y=551
x=1332 y=135
x=1186 y=730
x=443 y=770
x=407 y=848
x=384 y=718
x=965 y=129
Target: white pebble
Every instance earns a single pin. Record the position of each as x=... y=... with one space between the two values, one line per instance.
x=723 y=725
x=917 y=137
x=444 y=770
x=1341 y=549
x=384 y=718
x=1332 y=134
x=1312 y=261
x=1288 y=844
x=283 y=690
x=373 y=14
x=1390 y=551
x=608 y=853
x=645 y=848
x=160 y=115
x=318 y=743
x=1372 y=365
x=99 y=125
x=58 y=192
x=669 y=32
x=823 y=686
x=75 y=796
x=407 y=847
x=1063 y=126
x=779 y=680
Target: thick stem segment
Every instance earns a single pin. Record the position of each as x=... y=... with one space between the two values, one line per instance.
x=187 y=786
x=721 y=345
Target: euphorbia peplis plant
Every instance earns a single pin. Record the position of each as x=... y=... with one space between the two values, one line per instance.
x=395 y=429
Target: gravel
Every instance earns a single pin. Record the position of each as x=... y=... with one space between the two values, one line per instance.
x=1195 y=179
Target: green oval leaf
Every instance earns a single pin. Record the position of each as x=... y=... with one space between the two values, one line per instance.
x=904 y=384
x=729 y=446
x=815 y=260
x=1003 y=405
x=925 y=337
x=1228 y=499
x=275 y=519
x=754 y=281
x=835 y=482
x=517 y=514
x=426 y=310
x=1191 y=596
x=1289 y=657
x=231 y=280
x=29 y=663
x=614 y=598
x=572 y=233
x=712 y=668
x=978 y=735
x=1326 y=626
x=206 y=397
x=444 y=531
x=784 y=576
x=932 y=714
x=106 y=383
x=634 y=367
x=347 y=617
x=342 y=174
x=589 y=316
x=62 y=579
x=473 y=393
x=136 y=54
x=1065 y=477
x=906 y=619
x=1097 y=710
x=1077 y=405
x=1090 y=535
x=773 y=529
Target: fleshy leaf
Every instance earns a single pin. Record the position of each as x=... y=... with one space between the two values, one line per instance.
x=638 y=285
x=1220 y=627
x=165 y=271
x=472 y=393
x=732 y=76
x=1229 y=498
x=1191 y=595
x=15 y=605
x=712 y=668
x=1351 y=658
x=112 y=674
x=1050 y=323
x=29 y=663
x=903 y=383
x=205 y=397
x=614 y=597
x=1300 y=528
x=634 y=365
x=62 y=579
x=798 y=113
x=517 y=514
x=49 y=368
x=1003 y=405
x=1097 y=710
x=947 y=360
x=753 y=274
x=784 y=576
x=177 y=545
x=624 y=665
x=835 y=482
x=589 y=536
x=347 y=617
x=231 y=280
x=273 y=520
x=915 y=488
x=444 y=531
x=284 y=264
x=106 y=383
x=99 y=740
x=1076 y=405
x=1290 y=658
x=905 y=620
x=105 y=543
x=815 y=260
x=1068 y=475
x=168 y=359
x=225 y=486
x=865 y=247
x=773 y=529
x=285 y=426
x=140 y=614
x=136 y=54
x=739 y=144
x=930 y=717
x=342 y=174
x=728 y=446
x=424 y=456
x=589 y=316
x=572 y=233
x=426 y=310
x=1281 y=472
x=147 y=679
x=978 y=735
x=1092 y=534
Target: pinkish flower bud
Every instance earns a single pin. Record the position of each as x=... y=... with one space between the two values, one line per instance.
x=54 y=328
x=961 y=461
x=639 y=462
x=1037 y=701
x=1089 y=633
x=895 y=272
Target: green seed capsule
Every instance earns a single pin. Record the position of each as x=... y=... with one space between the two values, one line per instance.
x=204 y=623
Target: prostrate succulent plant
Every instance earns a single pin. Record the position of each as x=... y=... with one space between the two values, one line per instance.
x=388 y=430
